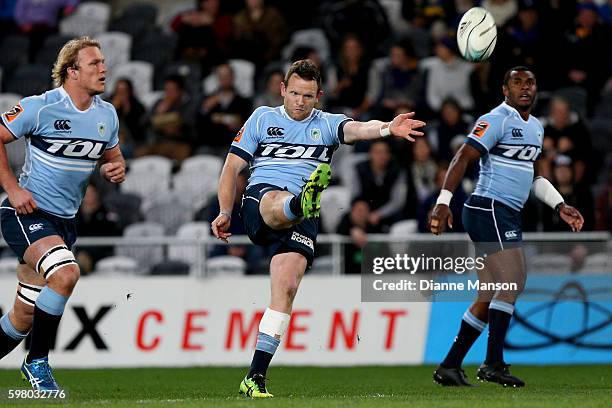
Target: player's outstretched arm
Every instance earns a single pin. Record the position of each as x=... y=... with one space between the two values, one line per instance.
x=113 y=167
x=441 y=215
x=21 y=199
x=401 y=126
x=227 y=194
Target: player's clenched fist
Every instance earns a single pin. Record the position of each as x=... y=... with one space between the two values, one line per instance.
x=21 y=200
x=113 y=171
x=220 y=226
x=440 y=217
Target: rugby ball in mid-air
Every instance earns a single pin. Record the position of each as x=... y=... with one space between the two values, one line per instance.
x=477 y=34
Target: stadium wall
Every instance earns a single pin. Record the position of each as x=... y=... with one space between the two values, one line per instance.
x=155 y=321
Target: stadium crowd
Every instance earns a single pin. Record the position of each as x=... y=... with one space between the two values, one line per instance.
x=211 y=62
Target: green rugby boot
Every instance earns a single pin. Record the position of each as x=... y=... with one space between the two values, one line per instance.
x=254 y=387
x=311 y=192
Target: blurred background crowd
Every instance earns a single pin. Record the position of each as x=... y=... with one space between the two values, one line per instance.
x=185 y=75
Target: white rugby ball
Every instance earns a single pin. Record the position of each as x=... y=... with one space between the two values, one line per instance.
x=477 y=34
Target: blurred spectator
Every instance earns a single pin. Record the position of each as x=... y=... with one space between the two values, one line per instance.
x=501 y=10
x=383 y=184
x=589 y=44
x=441 y=131
x=605 y=11
x=456 y=205
x=423 y=169
x=252 y=254
x=271 y=96
x=94 y=220
x=603 y=204
x=429 y=12
x=8 y=25
x=171 y=122
x=130 y=111
x=260 y=32
x=204 y=34
x=573 y=194
x=327 y=77
x=356 y=224
x=352 y=70
x=447 y=75
x=571 y=137
x=524 y=38
x=401 y=81
x=38 y=19
x=221 y=114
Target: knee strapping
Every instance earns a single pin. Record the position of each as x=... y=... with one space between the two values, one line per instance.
x=28 y=293
x=274 y=323
x=55 y=258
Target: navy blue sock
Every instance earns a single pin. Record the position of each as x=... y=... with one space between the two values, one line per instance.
x=295 y=205
x=10 y=337
x=500 y=314
x=264 y=351
x=470 y=329
x=48 y=312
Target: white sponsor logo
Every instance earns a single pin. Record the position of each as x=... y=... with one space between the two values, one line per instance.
x=511 y=234
x=35 y=227
x=302 y=240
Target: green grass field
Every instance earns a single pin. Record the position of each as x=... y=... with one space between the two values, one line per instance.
x=558 y=386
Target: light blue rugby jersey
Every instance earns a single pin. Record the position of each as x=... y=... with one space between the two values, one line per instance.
x=63 y=145
x=509 y=147
x=284 y=152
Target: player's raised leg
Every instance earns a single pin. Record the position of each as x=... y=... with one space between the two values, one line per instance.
x=286 y=272
x=17 y=322
x=508 y=266
x=281 y=209
x=56 y=263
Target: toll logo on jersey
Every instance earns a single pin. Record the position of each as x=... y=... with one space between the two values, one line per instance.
x=83 y=149
x=517 y=152
x=295 y=151
x=12 y=113
x=481 y=128
x=239 y=135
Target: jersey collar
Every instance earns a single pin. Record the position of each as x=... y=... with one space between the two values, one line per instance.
x=63 y=92
x=286 y=115
x=514 y=112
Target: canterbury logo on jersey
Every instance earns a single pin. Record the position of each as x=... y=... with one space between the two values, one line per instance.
x=295 y=151
x=76 y=149
x=517 y=152
x=275 y=131
x=62 y=124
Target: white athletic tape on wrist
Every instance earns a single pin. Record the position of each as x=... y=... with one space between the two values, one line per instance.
x=28 y=293
x=274 y=323
x=444 y=197
x=545 y=191
x=55 y=258
x=385 y=130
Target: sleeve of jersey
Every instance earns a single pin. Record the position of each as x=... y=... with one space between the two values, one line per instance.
x=114 y=139
x=21 y=119
x=336 y=123
x=486 y=133
x=246 y=141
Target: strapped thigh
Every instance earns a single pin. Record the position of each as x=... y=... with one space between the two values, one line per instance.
x=55 y=258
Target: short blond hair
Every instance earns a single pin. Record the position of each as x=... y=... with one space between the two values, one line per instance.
x=68 y=56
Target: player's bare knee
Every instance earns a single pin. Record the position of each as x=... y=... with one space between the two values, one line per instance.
x=65 y=278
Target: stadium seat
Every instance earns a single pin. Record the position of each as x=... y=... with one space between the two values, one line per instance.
x=549 y=263
x=172 y=267
x=170 y=213
x=126 y=205
x=344 y=167
x=51 y=47
x=147 y=255
x=13 y=53
x=30 y=79
x=189 y=253
x=135 y=19
x=404 y=228
x=310 y=37
x=225 y=265
x=336 y=201
x=322 y=265
x=139 y=72
x=597 y=263
x=244 y=78
x=154 y=165
x=90 y=18
x=118 y=265
x=8 y=266
x=146 y=187
x=117 y=48
x=196 y=181
x=157 y=48
x=203 y=164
